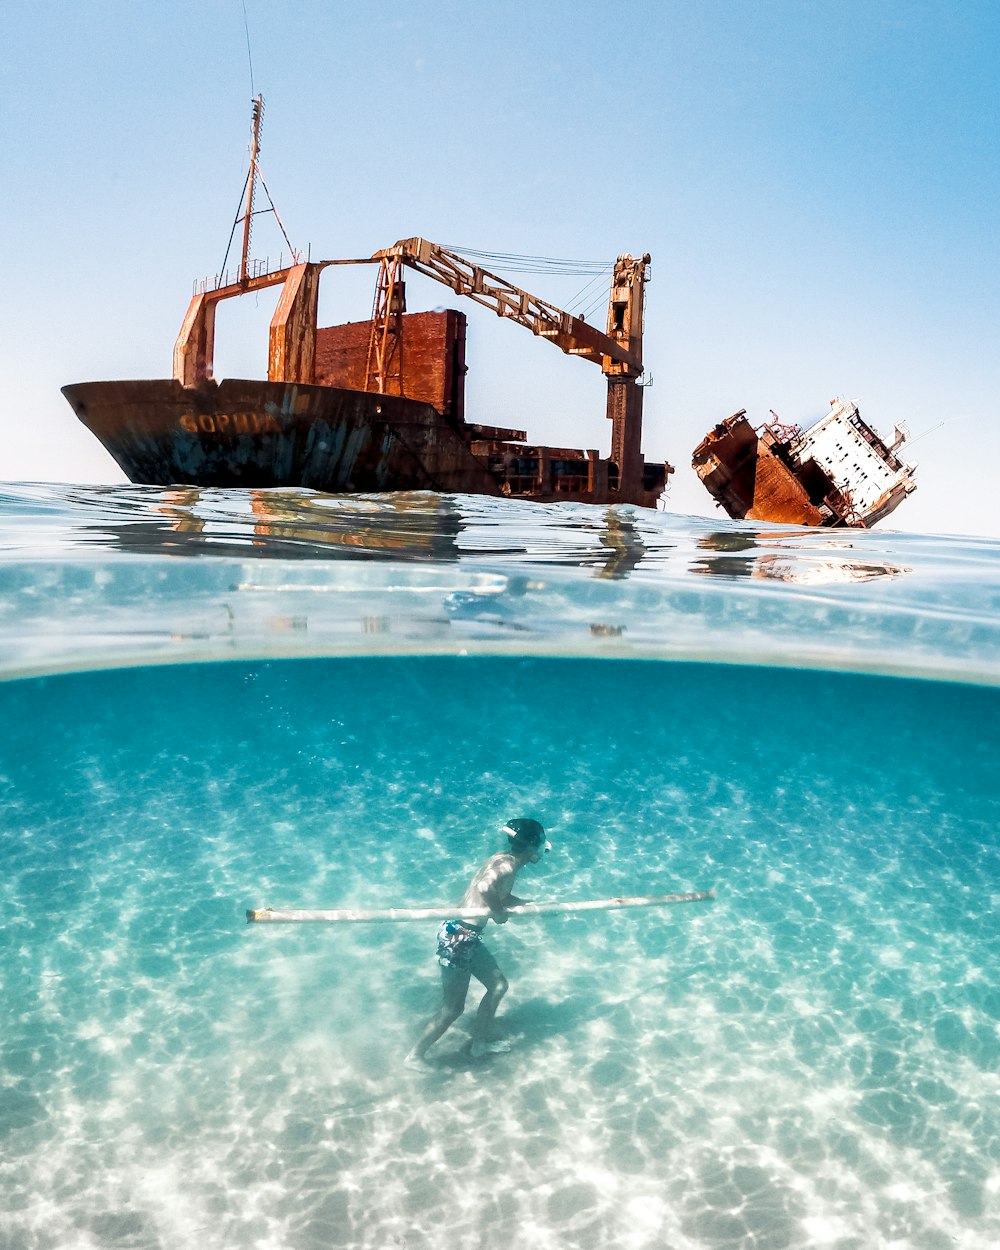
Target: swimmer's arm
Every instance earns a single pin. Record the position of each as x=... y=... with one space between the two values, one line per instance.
x=495 y=896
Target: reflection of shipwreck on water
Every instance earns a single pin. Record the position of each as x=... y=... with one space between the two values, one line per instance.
x=740 y=554
x=838 y=472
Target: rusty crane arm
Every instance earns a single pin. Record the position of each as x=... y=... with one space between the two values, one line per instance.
x=619 y=352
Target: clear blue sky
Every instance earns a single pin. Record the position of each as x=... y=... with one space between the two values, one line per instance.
x=817 y=184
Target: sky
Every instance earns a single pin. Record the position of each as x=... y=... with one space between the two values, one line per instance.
x=817 y=184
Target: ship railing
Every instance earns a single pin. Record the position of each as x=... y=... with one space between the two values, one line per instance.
x=782 y=431
x=255 y=269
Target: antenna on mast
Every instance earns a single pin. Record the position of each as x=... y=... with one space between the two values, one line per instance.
x=255 y=174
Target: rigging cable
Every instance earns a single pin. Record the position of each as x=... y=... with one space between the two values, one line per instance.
x=232 y=233
x=511 y=262
x=531 y=264
x=246 y=27
x=578 y=299
x=602 y=298
x=236 y=222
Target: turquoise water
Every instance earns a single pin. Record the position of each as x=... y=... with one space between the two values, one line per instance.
x=224 y=701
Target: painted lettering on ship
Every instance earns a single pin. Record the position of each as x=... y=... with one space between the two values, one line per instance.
x=230 y=423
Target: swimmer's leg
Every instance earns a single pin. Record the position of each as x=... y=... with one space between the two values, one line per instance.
x=454 y=988
x=486 y=970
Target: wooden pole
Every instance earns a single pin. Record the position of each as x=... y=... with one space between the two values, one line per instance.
x=274 y=915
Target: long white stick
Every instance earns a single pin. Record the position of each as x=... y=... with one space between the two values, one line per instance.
x=273 y=915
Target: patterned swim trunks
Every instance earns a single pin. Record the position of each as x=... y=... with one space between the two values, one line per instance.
x=457 y=945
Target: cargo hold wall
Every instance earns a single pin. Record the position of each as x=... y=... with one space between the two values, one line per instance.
x=429 y=363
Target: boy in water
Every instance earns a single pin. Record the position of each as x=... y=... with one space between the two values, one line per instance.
x=461 y=952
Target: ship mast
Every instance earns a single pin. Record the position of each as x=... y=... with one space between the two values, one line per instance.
x=258 y=114
x=254 y=175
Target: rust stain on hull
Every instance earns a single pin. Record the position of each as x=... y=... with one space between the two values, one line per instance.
x=259 y=434
x=244 y=432
x=748 y=479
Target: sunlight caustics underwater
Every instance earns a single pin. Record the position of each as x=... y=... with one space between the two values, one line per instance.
x=809 y=1059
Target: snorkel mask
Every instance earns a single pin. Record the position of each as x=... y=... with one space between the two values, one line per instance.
x=526 y=835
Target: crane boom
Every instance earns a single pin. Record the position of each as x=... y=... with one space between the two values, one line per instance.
x=619 y=352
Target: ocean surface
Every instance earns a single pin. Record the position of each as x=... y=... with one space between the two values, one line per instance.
x=221 y=700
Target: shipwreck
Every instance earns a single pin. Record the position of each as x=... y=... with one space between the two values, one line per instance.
x=838 y=472
x=373 y=405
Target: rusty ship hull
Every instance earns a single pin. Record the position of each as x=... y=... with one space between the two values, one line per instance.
x=244 y=432
x=260 y=434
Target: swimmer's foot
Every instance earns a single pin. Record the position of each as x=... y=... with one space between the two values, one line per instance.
x=479 y=1050
x=416 y=1061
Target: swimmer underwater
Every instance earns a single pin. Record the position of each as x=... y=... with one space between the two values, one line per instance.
x=461 y=952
